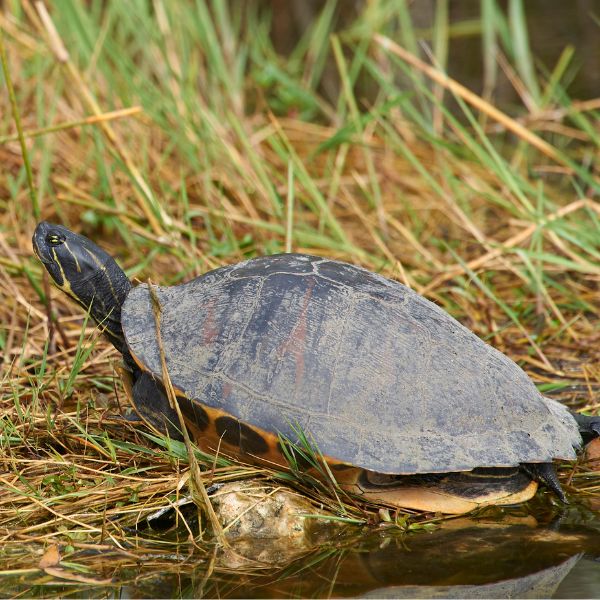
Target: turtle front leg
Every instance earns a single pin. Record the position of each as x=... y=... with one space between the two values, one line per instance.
x=150 y=402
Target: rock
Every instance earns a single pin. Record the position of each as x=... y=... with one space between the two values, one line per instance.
x=267 y=523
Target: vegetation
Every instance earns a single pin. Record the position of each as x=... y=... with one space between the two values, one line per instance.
x=175 y=135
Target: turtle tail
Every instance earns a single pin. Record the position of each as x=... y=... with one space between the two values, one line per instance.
x=546 y=473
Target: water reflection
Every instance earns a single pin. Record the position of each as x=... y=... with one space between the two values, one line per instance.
x=542 y=584
x=509 y=557
x=503 y=554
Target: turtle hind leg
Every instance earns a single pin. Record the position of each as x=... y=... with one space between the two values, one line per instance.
x=589 y=427
x=546 y=473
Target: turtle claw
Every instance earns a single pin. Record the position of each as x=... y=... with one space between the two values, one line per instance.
x=546 y=473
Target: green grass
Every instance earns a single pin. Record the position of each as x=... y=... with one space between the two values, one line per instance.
x=233 y=150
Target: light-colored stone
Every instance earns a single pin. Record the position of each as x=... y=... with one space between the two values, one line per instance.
x=261 y=510
x=267 y=523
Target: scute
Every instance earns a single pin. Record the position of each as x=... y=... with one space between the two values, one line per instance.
x=379 y=376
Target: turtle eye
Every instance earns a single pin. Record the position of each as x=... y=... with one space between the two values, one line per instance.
x=55 y=239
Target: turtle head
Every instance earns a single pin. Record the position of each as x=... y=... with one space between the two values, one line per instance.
x=85 y=272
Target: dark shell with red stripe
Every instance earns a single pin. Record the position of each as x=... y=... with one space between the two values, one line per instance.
x=375 y=374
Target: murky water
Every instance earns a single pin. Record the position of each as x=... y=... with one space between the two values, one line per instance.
x=504 y=553
x=513 y=556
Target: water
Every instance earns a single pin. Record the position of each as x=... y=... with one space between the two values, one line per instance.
x=503 y=553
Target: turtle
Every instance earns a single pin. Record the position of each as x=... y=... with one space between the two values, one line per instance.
x=406 y=406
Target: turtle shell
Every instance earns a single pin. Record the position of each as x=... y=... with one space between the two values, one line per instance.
x=377 y=375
